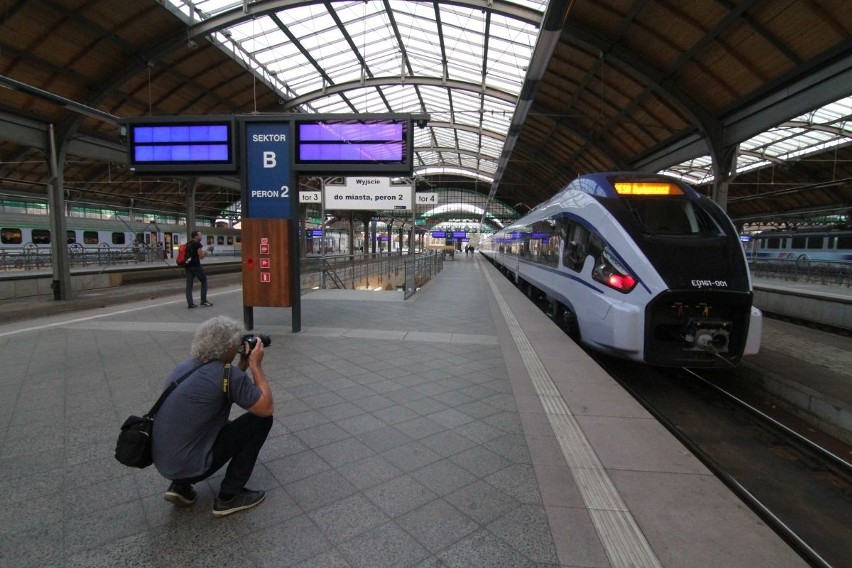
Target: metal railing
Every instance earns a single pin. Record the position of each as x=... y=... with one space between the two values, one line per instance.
x=34 y=258
x=370 y=271
x=827 y=273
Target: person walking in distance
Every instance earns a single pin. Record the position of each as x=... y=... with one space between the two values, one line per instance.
x=193 y=437
x=193 y=268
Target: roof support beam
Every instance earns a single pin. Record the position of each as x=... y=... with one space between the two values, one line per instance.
x=806 y=88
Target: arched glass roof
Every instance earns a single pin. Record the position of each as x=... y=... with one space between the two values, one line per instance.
x=810 y=133
x=463 y=63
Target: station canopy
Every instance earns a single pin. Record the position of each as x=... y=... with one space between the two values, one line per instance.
x=522 y=96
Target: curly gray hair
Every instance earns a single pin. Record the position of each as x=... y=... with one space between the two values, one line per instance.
x=216 y=337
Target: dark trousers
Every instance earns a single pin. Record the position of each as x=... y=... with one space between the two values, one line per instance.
x=239 y=441
x=193 y=272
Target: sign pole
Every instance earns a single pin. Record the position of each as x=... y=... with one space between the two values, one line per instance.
x=322 y=238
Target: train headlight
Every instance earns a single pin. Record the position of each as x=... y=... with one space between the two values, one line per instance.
x=608 y=270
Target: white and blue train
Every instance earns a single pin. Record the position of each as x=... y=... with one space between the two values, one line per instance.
x=27 y=232
x=637 y=266
x=804 y=247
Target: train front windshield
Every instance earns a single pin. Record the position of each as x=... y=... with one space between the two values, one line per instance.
x=671 y=216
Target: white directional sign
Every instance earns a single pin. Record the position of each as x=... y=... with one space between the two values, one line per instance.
x=309 y=196
x=424 y=198
x=368 y=193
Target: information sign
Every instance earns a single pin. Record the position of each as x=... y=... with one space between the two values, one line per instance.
x=267 y=169
x=424 y=198
x=368 y=194
x=310 y=196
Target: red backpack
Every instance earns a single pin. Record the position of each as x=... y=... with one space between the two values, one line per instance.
x=181 y=255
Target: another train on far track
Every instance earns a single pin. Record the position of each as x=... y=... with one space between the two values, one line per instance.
x=637 y=266
x=31 y=233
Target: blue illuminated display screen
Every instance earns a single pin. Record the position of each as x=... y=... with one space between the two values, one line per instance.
x=439 y=234
x=378 y=145
x=182 y=147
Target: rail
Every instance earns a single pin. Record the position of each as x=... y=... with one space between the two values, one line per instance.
x=828 y=273
x=35 y=258
x=371 y=271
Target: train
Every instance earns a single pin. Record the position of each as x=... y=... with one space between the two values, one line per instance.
x=638 y=266
x=31 y=233
x=804 y=247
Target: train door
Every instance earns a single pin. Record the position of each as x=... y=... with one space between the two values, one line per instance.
x=169 y=243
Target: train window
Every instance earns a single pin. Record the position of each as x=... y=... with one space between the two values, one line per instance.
x=799 y=242
x=772 y=243
x=210 y=240
x=90 y=237
x=41 y=236
x=220 y=240
x=118 y=238
x=230 y=240
x=814 y=243
x=11 y=236
x=668 y=216
x=576 y=246
x=844 y=242
x=70 y=237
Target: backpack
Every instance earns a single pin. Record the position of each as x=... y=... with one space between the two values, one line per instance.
x=181 y=255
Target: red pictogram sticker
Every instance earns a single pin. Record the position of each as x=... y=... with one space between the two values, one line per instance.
x=265 y=263
x=264 y=249
x=266 y=277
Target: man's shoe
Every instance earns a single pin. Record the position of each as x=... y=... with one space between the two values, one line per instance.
x=192 y=306
x=245 y=499
x=180 y=494
x=206 y=304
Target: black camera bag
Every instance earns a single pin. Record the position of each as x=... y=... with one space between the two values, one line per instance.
x=133 y=447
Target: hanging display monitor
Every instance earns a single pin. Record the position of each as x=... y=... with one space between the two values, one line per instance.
x=182 y=145
x=347 y=144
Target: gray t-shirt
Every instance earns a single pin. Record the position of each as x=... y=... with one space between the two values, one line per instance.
x=192 y=416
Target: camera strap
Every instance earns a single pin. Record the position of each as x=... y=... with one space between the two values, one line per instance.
x=169 y=390
x=226 y=382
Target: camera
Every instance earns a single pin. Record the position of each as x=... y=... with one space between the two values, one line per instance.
x=251 y=339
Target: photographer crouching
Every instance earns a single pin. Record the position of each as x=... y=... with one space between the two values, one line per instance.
x=193 y=438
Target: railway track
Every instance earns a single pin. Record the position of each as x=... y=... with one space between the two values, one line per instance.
x=795 y=483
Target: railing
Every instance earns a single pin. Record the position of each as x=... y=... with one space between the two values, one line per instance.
x=358 y=271
x=421 y=270
x=33 y=257
x=371 y=271
x=827 y=273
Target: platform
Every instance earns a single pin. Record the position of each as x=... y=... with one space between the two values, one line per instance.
x=459 y=428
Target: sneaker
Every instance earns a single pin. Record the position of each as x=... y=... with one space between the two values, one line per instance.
x=192 y=306
x=206 y=304
x=245 y=499
x=180 y=494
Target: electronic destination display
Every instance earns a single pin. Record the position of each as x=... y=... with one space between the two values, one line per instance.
x=181 y=145
x=348 y=144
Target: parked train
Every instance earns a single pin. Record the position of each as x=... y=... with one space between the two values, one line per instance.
x=803 y=246
x=638 y=266
x=21 y=232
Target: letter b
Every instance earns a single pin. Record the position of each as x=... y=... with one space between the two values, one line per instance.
x=269 y=160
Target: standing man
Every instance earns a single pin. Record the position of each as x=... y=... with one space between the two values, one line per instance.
x=193 y=268
x=193 y=438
